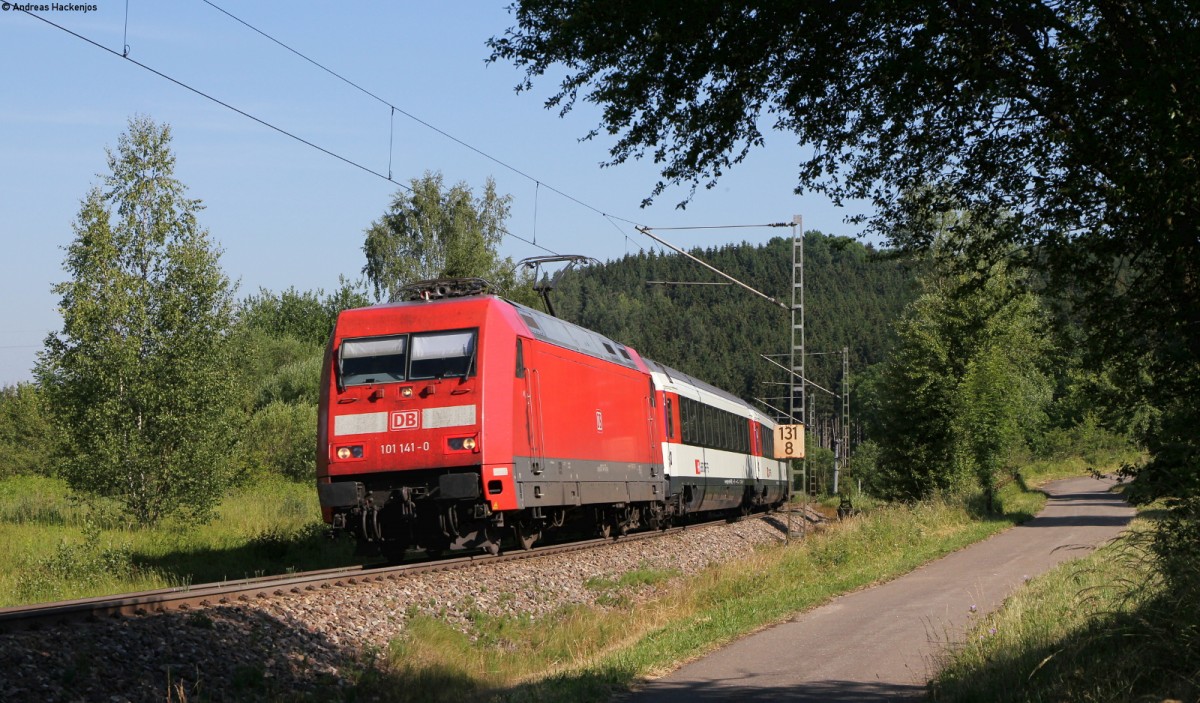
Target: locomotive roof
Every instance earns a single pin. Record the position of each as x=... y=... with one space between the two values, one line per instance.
x=550 y=329
x=566 y=334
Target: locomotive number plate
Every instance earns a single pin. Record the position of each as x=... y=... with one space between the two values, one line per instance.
x=403 y=448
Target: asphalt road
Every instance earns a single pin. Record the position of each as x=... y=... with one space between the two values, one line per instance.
x=877 y=644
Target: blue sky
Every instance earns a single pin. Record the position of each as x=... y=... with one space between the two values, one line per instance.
x=288 y=215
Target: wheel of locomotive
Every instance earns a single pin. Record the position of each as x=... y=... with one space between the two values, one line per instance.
x=393 y=551
x=604 y=523
x=490 y=541
x=526 y=534
x=656 y=516
x=435 y=546
x=627 y=520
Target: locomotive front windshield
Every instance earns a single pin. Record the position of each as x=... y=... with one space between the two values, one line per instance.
x=373 y=360
x=395 y=358
x=442 y=355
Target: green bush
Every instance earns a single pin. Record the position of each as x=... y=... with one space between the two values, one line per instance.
x=297 y=382
x=863 y=467
x=1086 y=439
x=27 y=436
x=280 y=439
x=72 y=566
x=260 y=355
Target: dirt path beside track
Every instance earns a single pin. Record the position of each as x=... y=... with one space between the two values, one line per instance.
x=876 y=644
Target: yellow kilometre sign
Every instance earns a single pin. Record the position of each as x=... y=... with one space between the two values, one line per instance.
x=789 y=442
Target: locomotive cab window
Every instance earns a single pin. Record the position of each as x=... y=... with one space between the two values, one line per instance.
x=372 y=360
x=395 y=358
x=442 y=355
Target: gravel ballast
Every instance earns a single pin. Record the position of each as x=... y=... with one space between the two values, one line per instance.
x=315 y=640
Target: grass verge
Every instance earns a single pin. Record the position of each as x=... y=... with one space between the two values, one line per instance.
x=1103 y=628
x=59 y=547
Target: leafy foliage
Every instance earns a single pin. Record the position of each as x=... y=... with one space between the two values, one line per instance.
x=28 y=440
x=308 y=316
x=717 y=333
x=281 y=439
x=963 y=390
x=138 y=378
x=430 y=233
x=280 y=340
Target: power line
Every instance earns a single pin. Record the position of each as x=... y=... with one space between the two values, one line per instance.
x=388 y=177
x=646 y=231
x=261 y=121
x=771 y=224
x=413 y=117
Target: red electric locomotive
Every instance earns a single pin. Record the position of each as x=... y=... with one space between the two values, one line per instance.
x=454 y=419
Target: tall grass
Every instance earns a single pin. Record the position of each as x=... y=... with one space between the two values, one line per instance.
x=1103 y=628
x=60 y=546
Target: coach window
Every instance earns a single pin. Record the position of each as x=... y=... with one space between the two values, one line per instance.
x=442 y=355
x=670 y=419
x=372 y=360
x=693 y=428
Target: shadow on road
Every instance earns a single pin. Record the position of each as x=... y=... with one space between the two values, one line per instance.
x=814 y=691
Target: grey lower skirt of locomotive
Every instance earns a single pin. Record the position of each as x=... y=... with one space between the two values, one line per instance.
x=439 y=511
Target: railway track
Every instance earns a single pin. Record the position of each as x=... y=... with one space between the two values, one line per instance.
x=255 y=589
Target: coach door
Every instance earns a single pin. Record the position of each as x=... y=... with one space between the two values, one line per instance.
x=694 y=426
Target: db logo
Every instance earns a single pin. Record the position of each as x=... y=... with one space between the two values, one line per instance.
x=406 y=420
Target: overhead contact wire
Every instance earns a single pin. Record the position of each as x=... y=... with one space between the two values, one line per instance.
x=260 y=121
x=411 y=116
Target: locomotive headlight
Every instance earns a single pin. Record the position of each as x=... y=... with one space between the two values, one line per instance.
x=461 y=444
x=354 y=452
x=406 y=392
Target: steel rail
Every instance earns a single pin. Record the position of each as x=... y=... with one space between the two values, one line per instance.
x=185 y=598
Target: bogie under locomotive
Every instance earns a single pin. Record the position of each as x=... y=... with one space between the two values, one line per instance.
x=453 y=423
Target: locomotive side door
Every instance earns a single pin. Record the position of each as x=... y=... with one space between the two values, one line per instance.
x=533 y=405
x=655 y=448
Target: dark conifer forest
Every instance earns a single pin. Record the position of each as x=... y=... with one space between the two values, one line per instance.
x=853 y=295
